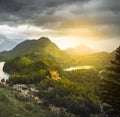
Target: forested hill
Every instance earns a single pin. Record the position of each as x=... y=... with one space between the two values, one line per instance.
x=41 y=48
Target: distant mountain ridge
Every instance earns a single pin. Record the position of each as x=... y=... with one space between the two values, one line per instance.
x=80 y=50
x=7 y=44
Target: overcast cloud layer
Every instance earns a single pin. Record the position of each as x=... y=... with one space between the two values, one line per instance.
x=94 y=18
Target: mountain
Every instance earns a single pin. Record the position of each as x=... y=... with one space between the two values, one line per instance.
x=80 y=50
x=7 y=44
x=42 y=48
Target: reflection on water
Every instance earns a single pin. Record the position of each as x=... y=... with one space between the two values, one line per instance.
x=2 y=73
x=79 y=67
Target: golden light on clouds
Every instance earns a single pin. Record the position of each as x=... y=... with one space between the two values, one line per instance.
x=67 y=22
x=73 y=36
x=83 y=29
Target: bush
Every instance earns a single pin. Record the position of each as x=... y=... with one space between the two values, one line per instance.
x=29 y=106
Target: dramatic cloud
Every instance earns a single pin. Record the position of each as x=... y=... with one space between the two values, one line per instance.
x=32 y=11
x=93 y=19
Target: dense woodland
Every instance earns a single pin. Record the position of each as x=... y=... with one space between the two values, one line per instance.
x=79 y=92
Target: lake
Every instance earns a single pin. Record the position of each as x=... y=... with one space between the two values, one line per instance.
x=2 y=73
x=79 y=67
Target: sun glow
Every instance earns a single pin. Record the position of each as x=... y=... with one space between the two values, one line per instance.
x=64 y=38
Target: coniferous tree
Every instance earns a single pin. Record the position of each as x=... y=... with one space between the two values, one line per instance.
x=111 y=84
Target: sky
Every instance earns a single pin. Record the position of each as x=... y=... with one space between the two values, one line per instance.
x=68 y=23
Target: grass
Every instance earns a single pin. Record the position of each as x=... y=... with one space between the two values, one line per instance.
x=11 y=106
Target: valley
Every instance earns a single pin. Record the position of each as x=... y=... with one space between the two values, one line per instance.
x=65 y=82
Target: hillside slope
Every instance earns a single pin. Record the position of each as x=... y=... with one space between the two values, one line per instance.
x=15 y=104
x=100 y=60
x=42 y=48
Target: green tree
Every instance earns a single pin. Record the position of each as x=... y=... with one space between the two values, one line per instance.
x=111 y=84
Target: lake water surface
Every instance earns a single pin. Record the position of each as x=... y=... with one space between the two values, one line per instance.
x=79 y=67
x=2 y=73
